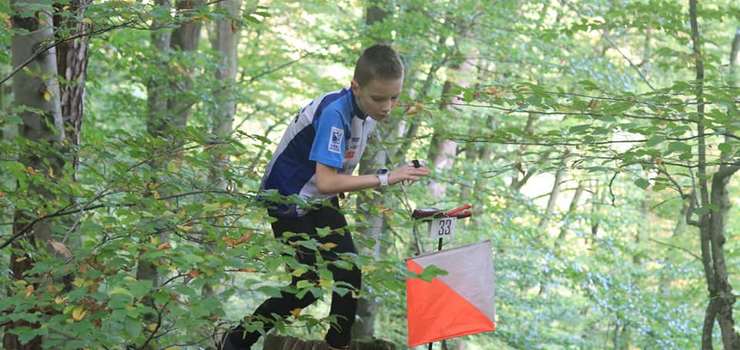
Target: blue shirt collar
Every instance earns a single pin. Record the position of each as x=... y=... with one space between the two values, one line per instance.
x=356 y=111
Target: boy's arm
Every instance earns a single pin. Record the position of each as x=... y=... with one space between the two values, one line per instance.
x=328 y=181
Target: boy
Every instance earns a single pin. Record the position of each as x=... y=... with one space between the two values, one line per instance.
x=315 y=160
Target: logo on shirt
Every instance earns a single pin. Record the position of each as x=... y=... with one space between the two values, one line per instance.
x=335 y=142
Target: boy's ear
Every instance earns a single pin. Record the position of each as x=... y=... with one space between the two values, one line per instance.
x=354 y=85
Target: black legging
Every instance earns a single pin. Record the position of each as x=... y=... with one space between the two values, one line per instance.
x=342 y=307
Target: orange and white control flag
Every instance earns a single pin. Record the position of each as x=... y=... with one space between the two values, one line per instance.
x=459 y=303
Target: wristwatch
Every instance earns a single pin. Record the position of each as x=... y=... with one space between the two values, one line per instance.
x=382 y=175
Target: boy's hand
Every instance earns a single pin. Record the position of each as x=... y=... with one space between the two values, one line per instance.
x=407 y=172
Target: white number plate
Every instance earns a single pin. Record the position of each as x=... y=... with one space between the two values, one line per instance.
x=442 y=228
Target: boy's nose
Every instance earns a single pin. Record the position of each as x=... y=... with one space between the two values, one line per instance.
x=387 y=106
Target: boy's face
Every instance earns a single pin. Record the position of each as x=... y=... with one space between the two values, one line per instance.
x=378 y=97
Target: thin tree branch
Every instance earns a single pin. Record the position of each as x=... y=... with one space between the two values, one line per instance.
x=565 y=143
x=44 y=49
x=611 y=191
x=636 y=68
x=591 y=114
x=60 y=213
x=677 y=248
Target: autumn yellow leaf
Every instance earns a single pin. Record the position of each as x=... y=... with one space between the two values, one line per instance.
x=79 y=282
x=414 y=109
x=299 y=271
x=593 y=104
x=29 y=290
x=6 y=20
x=492 y=90
x=296 y=312
x=52 y=288
x=47 y=95
x=164 y=246
x=78 y=313
x=60 y=248
x=328 y=246
x=231 y=242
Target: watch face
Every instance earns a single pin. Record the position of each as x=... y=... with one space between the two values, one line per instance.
x=382 y=171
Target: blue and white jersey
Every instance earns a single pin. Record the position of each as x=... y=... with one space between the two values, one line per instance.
x=330 y=130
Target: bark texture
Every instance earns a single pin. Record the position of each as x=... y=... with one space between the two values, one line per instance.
x=36 y=88
x=712 y=224
x=371 y=219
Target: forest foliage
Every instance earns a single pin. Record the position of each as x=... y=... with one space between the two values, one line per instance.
x=597 y=141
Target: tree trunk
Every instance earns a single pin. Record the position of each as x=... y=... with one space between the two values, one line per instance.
x=712 y=224
x=442 y=152
x=595 y=220
x=156 y=111
x=413 y=124
x=72 y=57
x=372 y=222
x=184 y=40
x=526 y=174
x=474 y=151
x=225 y=43
x=36 y=89
x=157 y=121
x=157 y=85
x=480 y=183
x=721 y=293
x=168 y=108
x=572 y=208
x=554 y=193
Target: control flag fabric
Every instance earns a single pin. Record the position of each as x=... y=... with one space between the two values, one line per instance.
x=459 y=303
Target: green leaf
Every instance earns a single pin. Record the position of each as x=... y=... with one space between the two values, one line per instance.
x=642 y=183
x=702 y=211
x=679 y=147
x=579 y=129
x=655 y=140
x=725 y=147
x=618 y=107
x=140 y=288
x=430 y=272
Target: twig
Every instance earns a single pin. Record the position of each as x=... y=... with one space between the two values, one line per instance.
x=676 y=247
x=44 y=49
x=157 y=326
x=60 y=213
x=591 y=114
x=611 y=191
x=636 y=68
